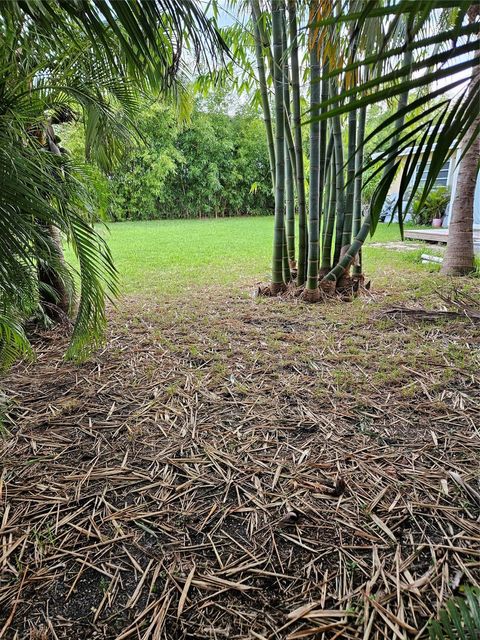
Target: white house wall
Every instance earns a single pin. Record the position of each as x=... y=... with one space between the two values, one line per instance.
x=452 y=183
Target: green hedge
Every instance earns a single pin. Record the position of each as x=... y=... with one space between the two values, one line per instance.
x=213 y=165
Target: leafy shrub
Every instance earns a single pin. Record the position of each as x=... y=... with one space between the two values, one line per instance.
x=137 y=185
x=434 y=206
x=223 y=171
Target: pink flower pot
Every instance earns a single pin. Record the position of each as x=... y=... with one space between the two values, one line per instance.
x=437 y=223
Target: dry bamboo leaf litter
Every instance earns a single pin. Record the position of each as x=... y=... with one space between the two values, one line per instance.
x=242 y=469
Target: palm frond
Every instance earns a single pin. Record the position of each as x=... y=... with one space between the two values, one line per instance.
x=444 y=47
x=103 y=57
x=151 y=35
x=459 y=619
x=13 y=341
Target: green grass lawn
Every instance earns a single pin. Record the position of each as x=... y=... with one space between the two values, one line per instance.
x=163 y=257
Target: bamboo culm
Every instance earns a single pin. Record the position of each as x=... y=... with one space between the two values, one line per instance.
x=311 y=290
x=357 y=199
x=278 y=283
x=289 y=163
x=340 y=180
x=259 y=54
x=350 y=189
x=329 y=223
x=300 y=172
x=340 y=268
x=361 y=236
x=323 y=143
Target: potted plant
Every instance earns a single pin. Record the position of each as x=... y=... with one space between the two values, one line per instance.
x=432 y=211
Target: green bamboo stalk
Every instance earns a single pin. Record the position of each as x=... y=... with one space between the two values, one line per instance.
x=351 y=146
x=262 y=79
x=331 y=206
x=290 y=214
x=278 y=282
x=357 y=200
x=325 y=204
x=289 y=159
x=350 y=190
x=329 y=157
x=300 y=172
x=312 y=292
x=264 y=37
x=290 y=143
x=287 y=274
x=339 y=162
x=346 y=261
x=268 y=54
x=323 y=143
x=361 y=236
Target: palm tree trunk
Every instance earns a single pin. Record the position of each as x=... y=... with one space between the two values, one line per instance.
x=278 y=282
x=55 y=296
x=460 y=257
x=297 y=132
x=312 y=292
x=262 y=79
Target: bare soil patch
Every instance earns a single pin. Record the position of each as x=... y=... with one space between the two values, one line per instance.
x=240 y=468
x=399 y=245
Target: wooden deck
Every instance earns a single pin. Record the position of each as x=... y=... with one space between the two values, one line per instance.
x=430 y=235
x=438 y=235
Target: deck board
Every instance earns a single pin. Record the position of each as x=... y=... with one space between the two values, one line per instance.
x=437 y=235
x=431 y=235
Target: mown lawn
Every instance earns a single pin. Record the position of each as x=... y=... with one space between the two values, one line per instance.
x=167 y=257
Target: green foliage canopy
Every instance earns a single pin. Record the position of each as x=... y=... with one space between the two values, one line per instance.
x=213 y=165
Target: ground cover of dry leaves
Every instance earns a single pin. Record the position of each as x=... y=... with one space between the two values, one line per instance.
x=232 y=467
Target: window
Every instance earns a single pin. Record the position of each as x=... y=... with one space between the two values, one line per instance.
x=440 y=181
x=442 y=178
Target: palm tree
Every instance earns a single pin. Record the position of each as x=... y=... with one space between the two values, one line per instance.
x=460 y=257
x=95 y=64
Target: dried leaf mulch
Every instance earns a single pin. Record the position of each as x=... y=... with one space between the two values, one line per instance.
x=236 y=468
